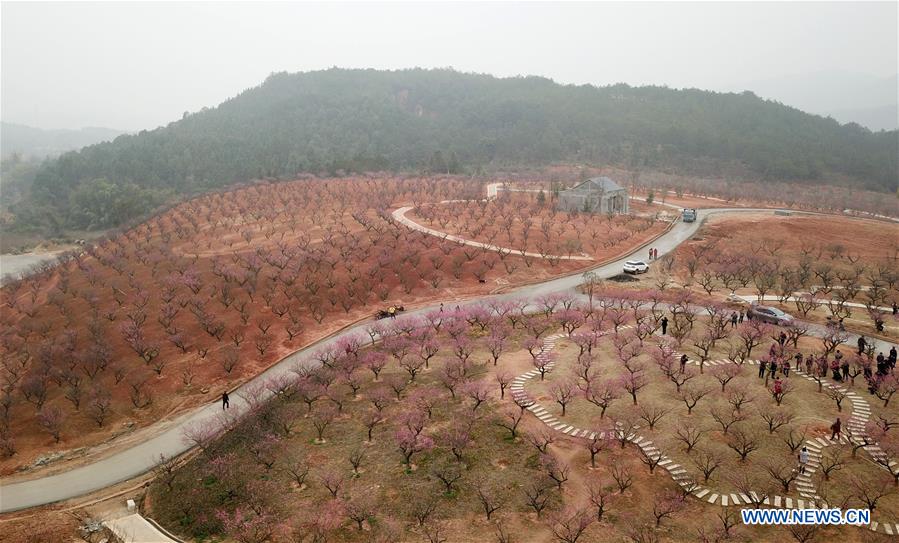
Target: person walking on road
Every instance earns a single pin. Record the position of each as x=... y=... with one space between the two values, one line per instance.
x=226 y=404
x=664 y=326
x=650 y=253
x=733 y=319
x=862 y=344
x=740 y=320
x=762 y=366
x=803 y=459
x=683 y=363
x=835 y=429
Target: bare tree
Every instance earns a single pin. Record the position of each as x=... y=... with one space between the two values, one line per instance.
x=794 y=439
x=666 y=504
x=743 y=443
x=322 y=418
x=555 y=469
x=355 y=459
x=569 y=525
x=510 y=419
x=600 y=494
x=651 y=415
x=726 y=373
x=651 y=459
x=622 y=476
x=503 y=379
x=360 y=507
x=537 y=494
x=541 y=439
x=726 y=418
x=870 y=492
x=598 y=442
x=691 y=395
x=776 y=418
x=783 y=472
x=449 y=473
x=707 y=462
x=51 y=419
x=297 y=467
x=689 y=435
x=562 y=393
x=833 y=459
x=490 y=496
x=332 y=480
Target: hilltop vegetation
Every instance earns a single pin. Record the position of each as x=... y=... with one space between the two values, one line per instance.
x=445 y=121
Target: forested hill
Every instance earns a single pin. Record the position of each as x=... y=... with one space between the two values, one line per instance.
x=356 y=120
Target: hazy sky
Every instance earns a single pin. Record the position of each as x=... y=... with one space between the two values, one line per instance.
x=135 y=65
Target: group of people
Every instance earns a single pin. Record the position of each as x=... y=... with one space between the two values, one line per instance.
x=819 y=365
x=777 y=361
x=653 y=253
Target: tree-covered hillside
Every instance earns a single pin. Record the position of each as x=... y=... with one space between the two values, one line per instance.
x=356 y=120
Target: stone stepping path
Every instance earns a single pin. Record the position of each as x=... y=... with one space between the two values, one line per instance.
x=861 y=411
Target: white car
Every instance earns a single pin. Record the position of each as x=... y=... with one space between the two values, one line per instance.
x=636 y=266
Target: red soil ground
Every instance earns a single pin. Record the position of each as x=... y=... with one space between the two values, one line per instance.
x=796 y=254
x=827 y=238
x=227 y=276
x=519 y=221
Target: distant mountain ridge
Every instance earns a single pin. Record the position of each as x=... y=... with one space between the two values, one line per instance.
x=38 y=143
x=874 y=118
x=868 y=100
x=341 y=120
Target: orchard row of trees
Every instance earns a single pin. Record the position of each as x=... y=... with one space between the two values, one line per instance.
x=820 y=275
x=795 y=195
x=412 y=393
x=130 y=322
x=525 y=223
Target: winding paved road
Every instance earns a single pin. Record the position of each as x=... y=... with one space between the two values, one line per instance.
x=143 y=457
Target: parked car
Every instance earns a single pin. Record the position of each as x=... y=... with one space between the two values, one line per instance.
x=768 y=314
x=636 y=266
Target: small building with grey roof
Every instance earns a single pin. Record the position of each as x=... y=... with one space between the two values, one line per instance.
x=595 y=195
